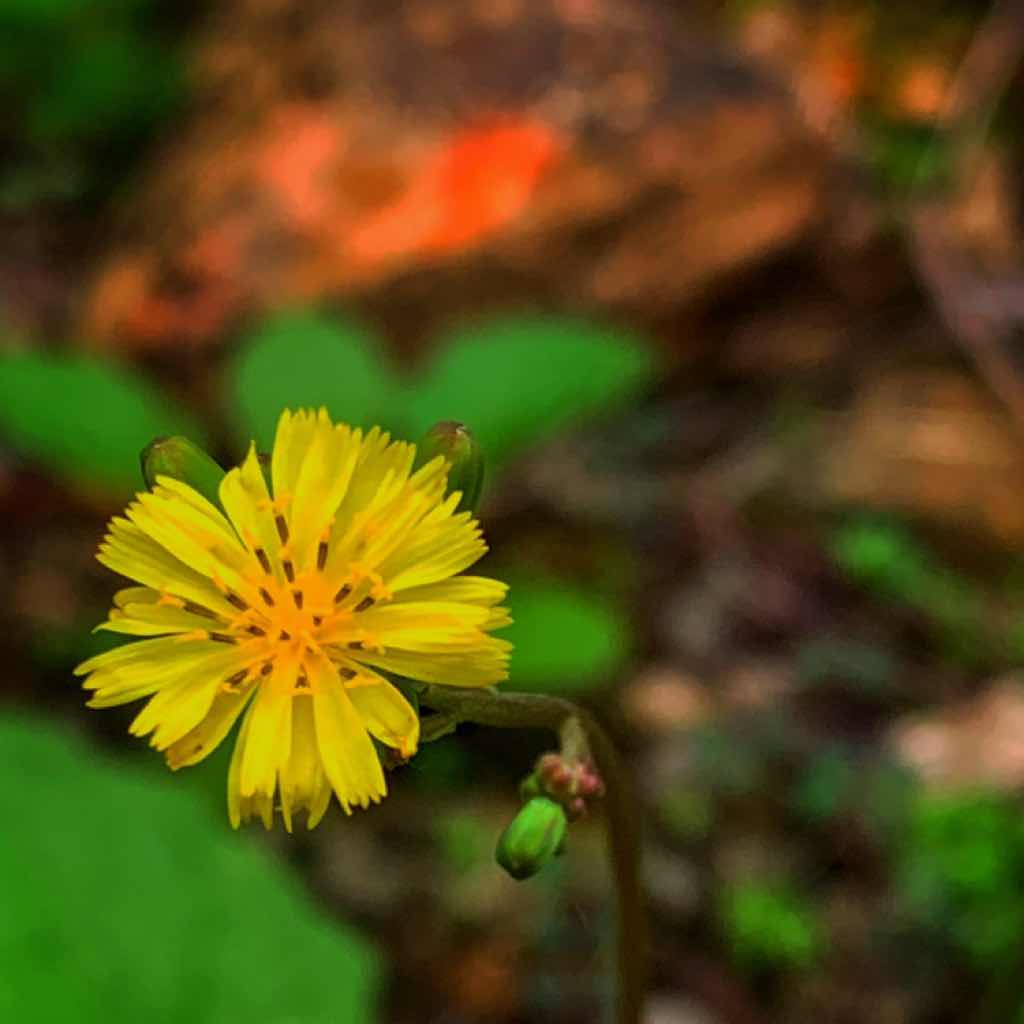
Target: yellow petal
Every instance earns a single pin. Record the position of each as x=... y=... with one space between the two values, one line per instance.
x=208 y=734
x=348 y=755
x=270 y=730
x=387 y=714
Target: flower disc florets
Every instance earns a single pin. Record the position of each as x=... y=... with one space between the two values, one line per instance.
x=287 y=603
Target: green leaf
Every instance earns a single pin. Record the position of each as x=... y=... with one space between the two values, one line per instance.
x=769 y=926
x=126 y=901
x=304 y=359
x=565 y=639
x=515 y=381
x=108 y=84
x=83 y=417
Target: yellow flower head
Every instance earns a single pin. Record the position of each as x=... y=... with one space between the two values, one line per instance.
x=285 y=609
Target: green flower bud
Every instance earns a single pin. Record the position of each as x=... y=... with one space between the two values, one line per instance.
x=183 y=460
x=532 y=838
x=465 y=459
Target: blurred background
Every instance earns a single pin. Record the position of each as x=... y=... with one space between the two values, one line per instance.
x=731 y=293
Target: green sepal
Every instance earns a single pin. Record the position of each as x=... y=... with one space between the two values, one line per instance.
x=182 y=459
x=532 y=838
x=465 y=460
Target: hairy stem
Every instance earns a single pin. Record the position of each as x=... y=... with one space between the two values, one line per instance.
x=536 y=711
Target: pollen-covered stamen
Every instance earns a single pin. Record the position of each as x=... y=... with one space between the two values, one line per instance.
x=321 y=555
x=343 y=593
x=267 y=599
x=367 y=602
x=297 y=596
x=232 y=598
x=223 y=638
x=233 y=683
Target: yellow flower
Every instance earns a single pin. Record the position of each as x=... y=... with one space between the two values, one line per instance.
x=285 y=608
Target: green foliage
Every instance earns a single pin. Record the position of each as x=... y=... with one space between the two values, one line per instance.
x=305 y=358
x=84 y=418
x=82 y=82
x=513 y=381
x=566 y=640
x=127 y=901
x=960 y=869
x=886 y=558
x=768 y=926
x=516 y=380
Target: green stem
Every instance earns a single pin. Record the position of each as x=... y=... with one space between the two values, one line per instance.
x=536 y=711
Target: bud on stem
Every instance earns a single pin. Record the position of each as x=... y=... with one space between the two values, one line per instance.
x=183 y=460
x=532 y=838
x=465 y=460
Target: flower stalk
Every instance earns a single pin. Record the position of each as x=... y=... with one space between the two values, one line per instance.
x=575 y=725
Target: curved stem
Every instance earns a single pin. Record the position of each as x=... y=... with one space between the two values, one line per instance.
x=527 y=710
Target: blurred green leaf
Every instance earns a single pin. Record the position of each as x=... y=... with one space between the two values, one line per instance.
x=107 y=84
x=83 y=417
x=887 y=559
x=516 y=380
x=132 y=903
x=960 y=867
x=566 y=639
x=307 y=359
x=768 y=926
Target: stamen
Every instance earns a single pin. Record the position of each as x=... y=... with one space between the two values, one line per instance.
x=345 y=590
x=231 y=684
x=347 y=673
x=195 y=609
x=367 y=602
x=285 y=635
x=302 y=683
x=318 y=620
x=289 y=570
x=321 y=555
x=256 y=630
x=223 y=638
x=267 y=668
x=266 y=597
x=297 y=594
x=264 y=560
x=282 y=527
x=232 y=598
x=357 y=645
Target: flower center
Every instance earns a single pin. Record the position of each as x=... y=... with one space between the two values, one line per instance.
x=300 y=617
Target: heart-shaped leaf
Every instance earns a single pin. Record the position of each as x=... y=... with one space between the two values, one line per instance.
x=127 y=900
x=83 y=417
x=565 y=639
x=307 y=359
x=517 y=380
